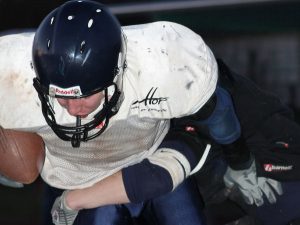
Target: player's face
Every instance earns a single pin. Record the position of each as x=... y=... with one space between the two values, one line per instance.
x=81 y=106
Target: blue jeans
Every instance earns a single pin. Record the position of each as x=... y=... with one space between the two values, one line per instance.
x=286 y=208
x=183 y=206
x=223 y=124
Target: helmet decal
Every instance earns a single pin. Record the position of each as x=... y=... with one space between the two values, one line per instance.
x=55 y=91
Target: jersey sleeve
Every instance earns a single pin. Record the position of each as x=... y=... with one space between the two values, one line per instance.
x=180 y=155
x=172 y=68
x=20 y=105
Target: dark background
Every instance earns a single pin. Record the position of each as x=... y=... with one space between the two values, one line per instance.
x=258 y=40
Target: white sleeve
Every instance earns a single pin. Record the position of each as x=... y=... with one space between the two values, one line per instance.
x=20 y=105
x=176 y=63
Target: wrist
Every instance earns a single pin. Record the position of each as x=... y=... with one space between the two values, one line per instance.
x=71 y=200
x=243 y=165
x=238 y=155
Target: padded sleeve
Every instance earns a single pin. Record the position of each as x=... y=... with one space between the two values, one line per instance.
x=178 y=157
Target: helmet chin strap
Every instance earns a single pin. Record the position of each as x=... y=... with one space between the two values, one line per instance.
x=75 y=141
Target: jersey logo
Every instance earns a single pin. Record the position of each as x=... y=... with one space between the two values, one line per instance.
x=150 y=99
x=276 y=168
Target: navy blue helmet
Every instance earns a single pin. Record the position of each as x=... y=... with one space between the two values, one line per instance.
x=77 y=52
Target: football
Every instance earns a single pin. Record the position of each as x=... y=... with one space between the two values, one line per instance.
x=22 y=155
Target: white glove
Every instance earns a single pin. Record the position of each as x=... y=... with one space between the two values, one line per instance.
x=252 y=187
x=10 y=183
x=61 y=213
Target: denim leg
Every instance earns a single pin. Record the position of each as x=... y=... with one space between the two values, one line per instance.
x=286 y=209
x=223 y=124
x=105 y=215
x=183 y=206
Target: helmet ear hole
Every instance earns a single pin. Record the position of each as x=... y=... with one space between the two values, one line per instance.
x=82 y=47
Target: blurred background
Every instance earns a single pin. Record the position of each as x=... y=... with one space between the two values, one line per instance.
x=256 y=38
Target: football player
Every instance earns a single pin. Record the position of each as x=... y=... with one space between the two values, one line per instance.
x=125 y=113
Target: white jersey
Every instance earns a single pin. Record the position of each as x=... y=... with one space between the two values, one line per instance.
x=170 y=73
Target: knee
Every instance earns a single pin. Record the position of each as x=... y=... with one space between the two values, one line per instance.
x=223 y=124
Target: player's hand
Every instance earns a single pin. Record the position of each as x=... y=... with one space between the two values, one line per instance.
x=61 y=213
x=10 y=183
x=253 y=188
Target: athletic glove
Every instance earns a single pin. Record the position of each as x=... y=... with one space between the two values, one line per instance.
x=10 y=183
x=61 y=213
x=252 y=187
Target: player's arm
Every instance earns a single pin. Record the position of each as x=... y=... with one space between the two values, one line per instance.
x=179 y=155
x=110 y=190
x=107 y=191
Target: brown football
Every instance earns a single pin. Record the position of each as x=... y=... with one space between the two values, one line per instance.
x=22 y=155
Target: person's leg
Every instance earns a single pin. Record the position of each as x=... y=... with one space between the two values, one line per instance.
x=183 y=206
x=105 y=215
x=286 y=209
x=49 y=196
x=223 y=124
